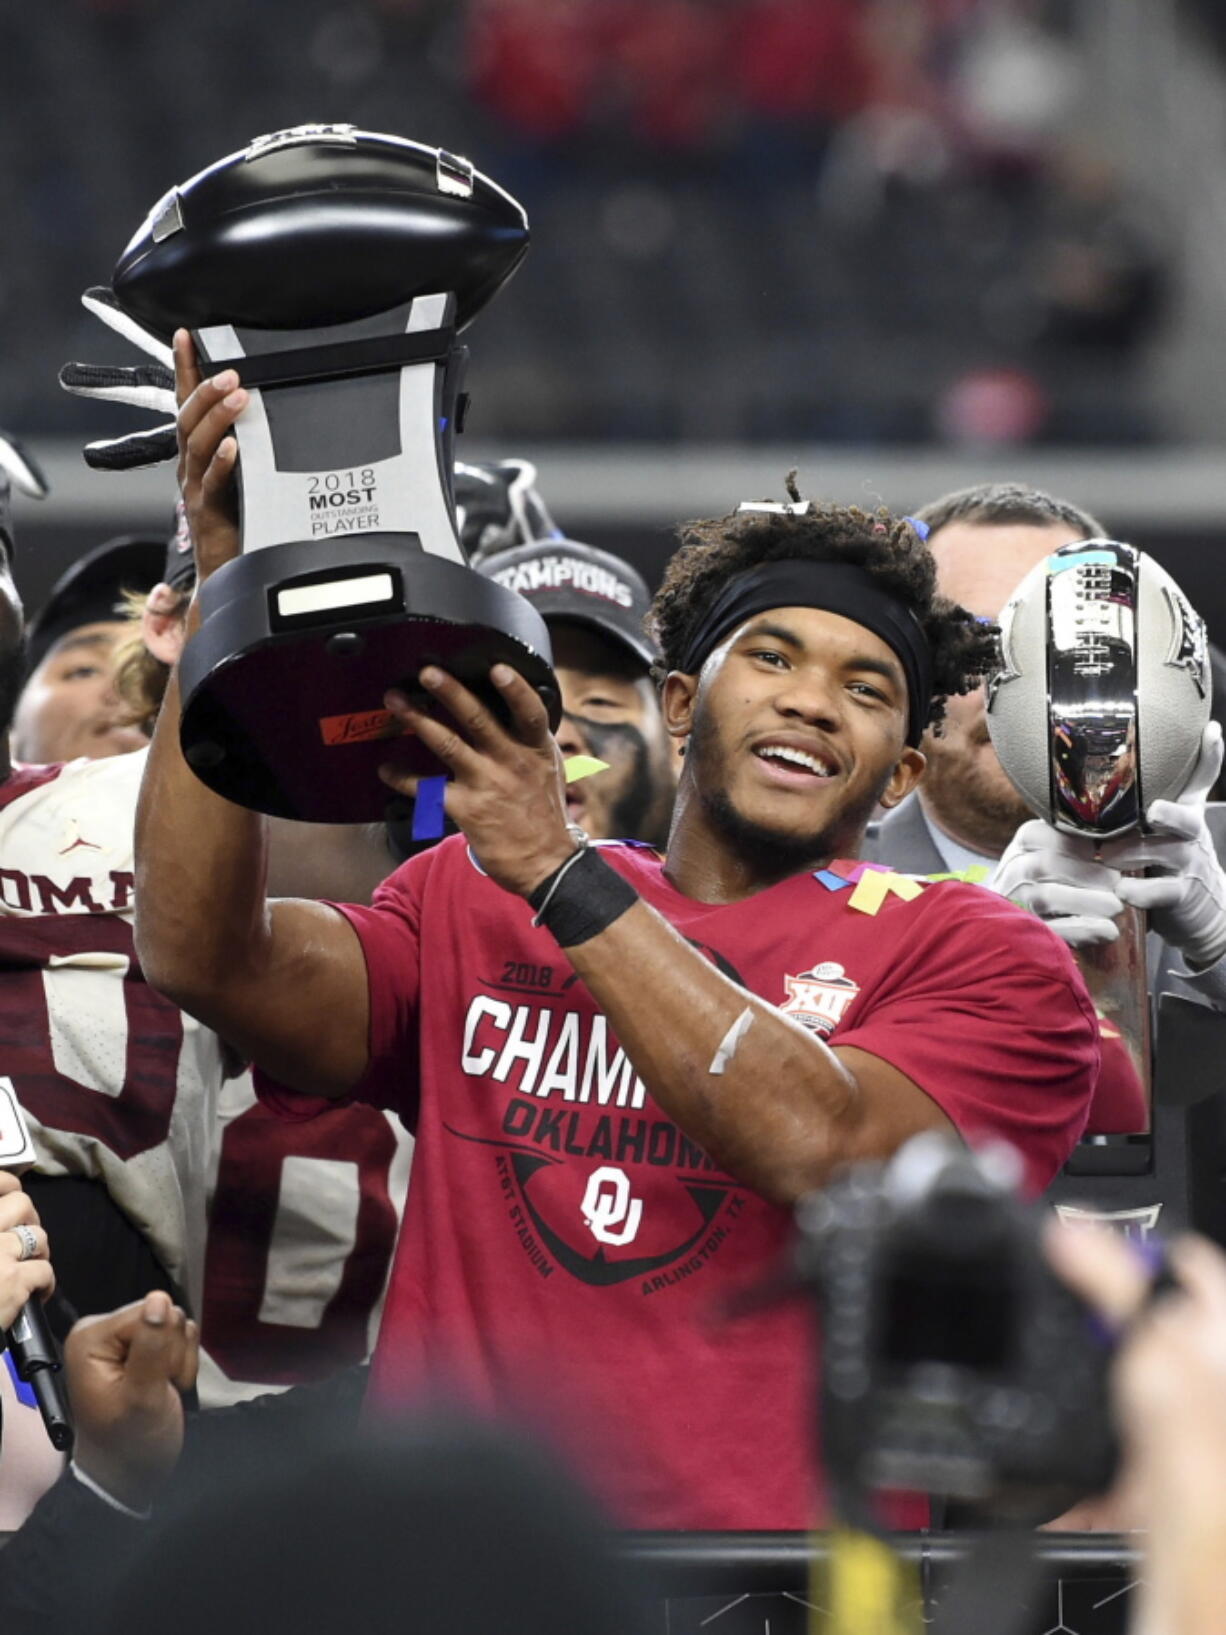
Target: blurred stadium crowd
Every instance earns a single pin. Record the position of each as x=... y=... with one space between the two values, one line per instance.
x=840 y=221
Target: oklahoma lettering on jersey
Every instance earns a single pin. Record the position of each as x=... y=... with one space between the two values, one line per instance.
x=569 y=1249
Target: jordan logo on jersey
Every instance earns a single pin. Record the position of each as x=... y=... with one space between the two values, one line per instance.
x=818 y=999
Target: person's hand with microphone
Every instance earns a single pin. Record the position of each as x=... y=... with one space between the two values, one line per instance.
x=1080 y=887
x=25 y=1267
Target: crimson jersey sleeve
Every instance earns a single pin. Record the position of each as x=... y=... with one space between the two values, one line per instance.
x=1006 y=1046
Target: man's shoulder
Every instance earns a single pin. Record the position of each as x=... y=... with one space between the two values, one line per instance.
x=960 y=898
x=24 y=781
x=977 y=924
x=114 y=778
x=932 y=914
x=957 y=899
x=966 y=920
x=882 y=888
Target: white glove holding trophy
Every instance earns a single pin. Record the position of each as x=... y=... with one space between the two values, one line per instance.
x=1081 y=888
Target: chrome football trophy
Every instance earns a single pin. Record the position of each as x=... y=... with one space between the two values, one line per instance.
x=334 y=269
x=1098 y=710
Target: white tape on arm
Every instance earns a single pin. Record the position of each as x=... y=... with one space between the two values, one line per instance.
x=731 y=1041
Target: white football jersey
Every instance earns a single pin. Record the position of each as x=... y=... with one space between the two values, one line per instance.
x=117 y=1083
x=302 y=1228
x=120 y=1085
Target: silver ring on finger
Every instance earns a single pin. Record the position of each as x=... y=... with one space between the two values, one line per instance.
x=28 y=1239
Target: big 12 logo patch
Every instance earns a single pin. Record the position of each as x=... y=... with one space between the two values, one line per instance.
x=818 y=999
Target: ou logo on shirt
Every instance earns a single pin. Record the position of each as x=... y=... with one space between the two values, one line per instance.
x=607 y=1207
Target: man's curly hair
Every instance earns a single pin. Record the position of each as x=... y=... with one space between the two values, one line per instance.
x=964 y=649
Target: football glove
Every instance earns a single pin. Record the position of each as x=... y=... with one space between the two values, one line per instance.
x=148 y=386
x=1080 y=886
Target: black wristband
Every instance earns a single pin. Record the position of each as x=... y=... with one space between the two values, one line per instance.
x=581 y=899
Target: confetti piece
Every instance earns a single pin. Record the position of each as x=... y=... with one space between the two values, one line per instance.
x=583 y=766
x=428 y=814
x=856 y=871
x=831 y=880
x=863 y=1587
x=874 y=888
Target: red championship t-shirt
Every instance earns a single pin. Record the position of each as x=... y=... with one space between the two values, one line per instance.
x=569 y=1250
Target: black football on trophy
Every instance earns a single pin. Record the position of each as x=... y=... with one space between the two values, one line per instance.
x=321 y=224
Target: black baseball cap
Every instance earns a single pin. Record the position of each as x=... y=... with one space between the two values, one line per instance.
x=91 y=589
x=565 y=580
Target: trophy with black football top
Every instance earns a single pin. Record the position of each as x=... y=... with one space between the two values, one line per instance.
x=334 y=269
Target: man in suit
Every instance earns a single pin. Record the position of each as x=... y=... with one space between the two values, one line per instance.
x=985 y=540
x=967 y=816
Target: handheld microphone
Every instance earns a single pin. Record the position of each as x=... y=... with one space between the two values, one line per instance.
x=33 y=1349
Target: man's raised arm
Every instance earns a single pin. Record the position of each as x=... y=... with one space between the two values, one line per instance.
x=284 y=982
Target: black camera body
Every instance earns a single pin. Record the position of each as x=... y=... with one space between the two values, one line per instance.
x=954 y=1361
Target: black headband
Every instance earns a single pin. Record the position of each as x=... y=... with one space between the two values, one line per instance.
x=834 y=587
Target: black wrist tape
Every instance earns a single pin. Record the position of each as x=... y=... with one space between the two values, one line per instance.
x=584 y=902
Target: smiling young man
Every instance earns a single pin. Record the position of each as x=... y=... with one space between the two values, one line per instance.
x=623 y=1069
